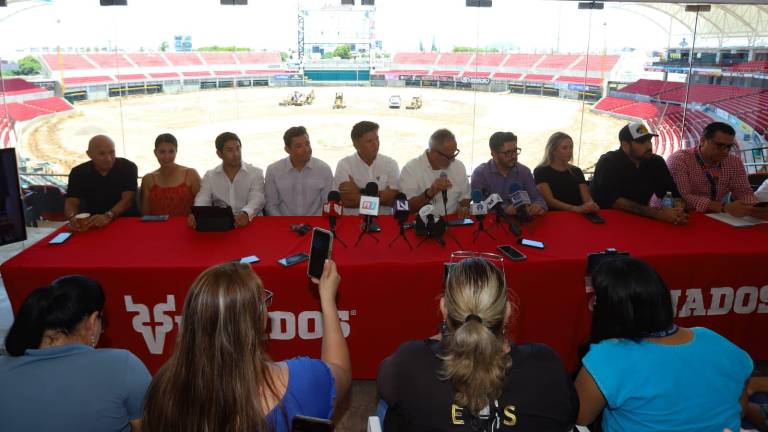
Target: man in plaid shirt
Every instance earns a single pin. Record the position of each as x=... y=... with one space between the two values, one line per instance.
x=706 y=173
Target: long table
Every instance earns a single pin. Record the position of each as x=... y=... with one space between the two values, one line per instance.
x=718 y=276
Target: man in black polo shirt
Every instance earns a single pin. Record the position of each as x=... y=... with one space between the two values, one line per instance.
x=626 y=178
x=105 y=186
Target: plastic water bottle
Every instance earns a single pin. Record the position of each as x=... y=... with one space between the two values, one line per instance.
x=667 y=202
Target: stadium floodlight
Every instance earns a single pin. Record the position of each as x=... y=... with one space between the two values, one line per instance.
x=698 y=8
x=591 y=5
x=479 y=3
x=234 y=2
x=347 y=2
x=113 y=2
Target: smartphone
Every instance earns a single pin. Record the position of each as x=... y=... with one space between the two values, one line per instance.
x=511 y=253
x=531 y=243
x=594 y=218
x=460 y=222
x=319 y=251
x=250 y=259
x=293 y=259
x=311 y=424
x=60 y=238
x=154 y=218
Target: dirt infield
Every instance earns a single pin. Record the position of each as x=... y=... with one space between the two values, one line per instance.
x=196 y=118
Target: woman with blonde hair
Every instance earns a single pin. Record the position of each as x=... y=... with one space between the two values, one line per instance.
x=220 y=377
x=470 y=377
x=562 y=184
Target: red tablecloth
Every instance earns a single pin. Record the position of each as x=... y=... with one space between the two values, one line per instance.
x=718 y=276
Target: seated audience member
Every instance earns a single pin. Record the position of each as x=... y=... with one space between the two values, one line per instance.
x=643 y=372
x=54 y=378
x=470 y=377
x=757 y=411
x=499 y=173
x=707 y=173
x=220 y=377
x=423 y=182
x=234 y=183
x=299 y=184
x=365 y=166
x=171 y=189
x=561 y=184
x=626 y=178
x=105 y=186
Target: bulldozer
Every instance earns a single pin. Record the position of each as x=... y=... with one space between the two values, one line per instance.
x=297 y=99
x=415 y=103
x=338 y=103
x=286 y=102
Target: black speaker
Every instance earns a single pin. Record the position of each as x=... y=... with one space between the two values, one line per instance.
x=234 y=2
x=479 y=3
x=367 y=2
x=113 y=2
x=348 y=2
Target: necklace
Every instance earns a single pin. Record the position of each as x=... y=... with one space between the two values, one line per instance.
x=664 y=333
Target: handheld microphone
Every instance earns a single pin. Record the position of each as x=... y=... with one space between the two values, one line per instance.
x=444 y=175
x=332 y=208
x=401 y=209
x=520 y=200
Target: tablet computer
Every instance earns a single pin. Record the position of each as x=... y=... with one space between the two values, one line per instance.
x=211 y=218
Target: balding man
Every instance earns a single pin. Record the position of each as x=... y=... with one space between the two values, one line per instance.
x=105 y=186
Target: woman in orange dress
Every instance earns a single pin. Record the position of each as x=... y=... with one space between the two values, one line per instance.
x=171 y=189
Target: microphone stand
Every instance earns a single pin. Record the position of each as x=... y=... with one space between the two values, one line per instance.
x=481 y=229
x=365 y=229
x=335 y=236
x=401 y=234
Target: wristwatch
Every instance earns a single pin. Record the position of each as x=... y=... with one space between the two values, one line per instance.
x=110 y=213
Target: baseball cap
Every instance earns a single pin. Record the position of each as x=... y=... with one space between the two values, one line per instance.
x=635 y=131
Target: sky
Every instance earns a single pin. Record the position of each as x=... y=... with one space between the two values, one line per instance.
x=515 y=25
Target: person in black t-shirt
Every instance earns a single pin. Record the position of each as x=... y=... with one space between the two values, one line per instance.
x=469 y=377
x=105 y=186
x=561 y=184
x=626 y=178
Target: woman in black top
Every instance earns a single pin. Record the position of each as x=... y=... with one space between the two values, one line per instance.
x=470 y=377
x=561 y=184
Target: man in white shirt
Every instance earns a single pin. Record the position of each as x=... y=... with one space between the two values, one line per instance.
x=299 y=184
x=233 y=183
x=366 y=165
x=423 y=183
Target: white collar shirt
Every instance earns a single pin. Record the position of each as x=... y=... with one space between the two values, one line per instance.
x=245 y=193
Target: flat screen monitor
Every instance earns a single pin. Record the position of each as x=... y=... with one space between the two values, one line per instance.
x=12 y=224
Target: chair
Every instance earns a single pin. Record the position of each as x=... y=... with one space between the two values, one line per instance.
x=50 y=201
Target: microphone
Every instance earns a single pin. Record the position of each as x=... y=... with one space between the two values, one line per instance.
x=494 y=203
x=332 y=208
x=444 y=175
x=520 y=200
x=426 y=211
x=369 y=204
x=401 y=209
x=477 y=207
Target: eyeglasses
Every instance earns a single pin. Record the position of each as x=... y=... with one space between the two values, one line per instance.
x=723 y=146
x=268 y=298
x=456 y=153
x=495 y=259
x=512 y=152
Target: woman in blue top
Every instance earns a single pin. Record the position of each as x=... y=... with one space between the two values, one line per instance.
x=55 y=379
x=220 y=377
x=643 y=372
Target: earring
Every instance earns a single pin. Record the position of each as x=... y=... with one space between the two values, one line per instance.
x=93 y=341
x=442 y=328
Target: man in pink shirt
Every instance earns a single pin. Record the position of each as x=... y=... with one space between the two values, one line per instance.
x=706 y=173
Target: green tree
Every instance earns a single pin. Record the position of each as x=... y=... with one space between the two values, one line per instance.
x=28 y=66
x=283 y=56
x=434 y=46
x=343 y=52
x=421 y=46
x=164 y=46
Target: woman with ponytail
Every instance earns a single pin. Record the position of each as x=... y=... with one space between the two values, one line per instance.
x=54 y=378
x=470 y=377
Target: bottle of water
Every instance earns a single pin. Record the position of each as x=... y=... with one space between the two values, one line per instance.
x=667 y=201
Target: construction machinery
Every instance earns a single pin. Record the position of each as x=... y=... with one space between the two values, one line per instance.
x=310 y=97
x=338 y=103
x=415 y=103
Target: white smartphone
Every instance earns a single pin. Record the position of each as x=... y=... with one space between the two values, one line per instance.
x=60 y=238
x=531 y=243
x=319 y=251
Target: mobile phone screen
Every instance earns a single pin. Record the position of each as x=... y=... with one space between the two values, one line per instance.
x=293 y=259
x=459 y=222
x=319 y=251
x=154 y=218
x=512 y=253
x=531 y=243
x=60 y=238
x=311 y=424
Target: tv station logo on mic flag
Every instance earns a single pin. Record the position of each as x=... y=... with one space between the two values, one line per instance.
x=369 y=205
x=401 y=205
